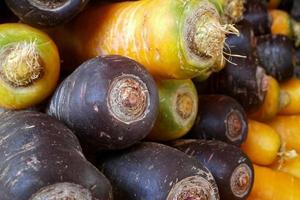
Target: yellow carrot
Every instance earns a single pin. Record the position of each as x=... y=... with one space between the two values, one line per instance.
x=262 y=143
x=29 y=66
x=171 y=38
x=274 y=185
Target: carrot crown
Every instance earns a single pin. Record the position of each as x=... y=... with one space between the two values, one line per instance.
x=194 y=187
x=20 y=63
x=204 y=36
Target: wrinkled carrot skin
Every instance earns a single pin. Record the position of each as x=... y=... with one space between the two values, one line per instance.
x=274 y=185
x=148 y=31
x=291 y=166
x=281 y=23
x=262 y=143
x=288 y=127
x=271 y=104
x=292 y=89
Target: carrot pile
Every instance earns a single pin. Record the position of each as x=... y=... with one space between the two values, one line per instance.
x=150 y=99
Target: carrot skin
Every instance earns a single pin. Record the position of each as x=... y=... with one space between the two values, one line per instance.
x=292 y=88
x=281 y=23
x=273 y=185
x=161 y=35
x=288 y=129
x=271 y=103
x=262 y=143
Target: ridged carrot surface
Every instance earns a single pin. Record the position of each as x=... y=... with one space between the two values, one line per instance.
x=171 y=38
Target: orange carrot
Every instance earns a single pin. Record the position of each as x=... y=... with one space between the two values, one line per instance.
x=281 y=23
x=171 y=38
x=288 y=165
x=273 y=185
x=262 y=143
x=288 y=127
x=271 y=104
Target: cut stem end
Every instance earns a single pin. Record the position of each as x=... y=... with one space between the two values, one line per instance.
x=128 y=99
x=194 y=187
x=234 y=125
x=241 y=180
x=63 y=191
x=20 y=64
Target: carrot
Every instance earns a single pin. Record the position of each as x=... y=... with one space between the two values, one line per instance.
x=110 y=102
x=292 y=89
x=178 y=107
x=46 y=13
x=29 y=66
x=289 y=130
x=271 y=103
x=256 y=12
x=171 y=38
x=262 y=143
x=275 y=54
x=281 y=23
x=40 y=158
x=153 y=171
x=289 y=165
x=273 y=185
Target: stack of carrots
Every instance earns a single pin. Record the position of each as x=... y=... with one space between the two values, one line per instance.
x=150 y=99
